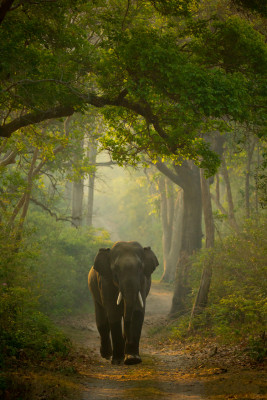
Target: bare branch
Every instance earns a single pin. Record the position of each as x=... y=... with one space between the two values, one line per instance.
x=52 y=213
x=9 y=158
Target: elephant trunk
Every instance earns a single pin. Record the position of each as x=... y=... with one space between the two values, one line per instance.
x=140 y=299
x=130 y=301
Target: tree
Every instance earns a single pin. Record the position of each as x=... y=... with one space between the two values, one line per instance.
x=91 y=154
x=25 y=161
x=77 y=189
x=187 y=177
x=171 y=216
x=162 y=84
x=133 y=86
x=201 y=300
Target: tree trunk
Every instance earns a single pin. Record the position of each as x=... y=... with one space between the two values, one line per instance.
x=231 y=214
x=218 y=188
x=28 y=191
x=77 y=203
x=187 y=177
x=203 y=291
x=68 y=194
x=191 y=240
x=4 y=8
x=92 y=153
x=23 y=202
x=257 y=181
x=173 y=256
x=207 y=210
x=250 y=150
x=171 y=223
x=77 y=196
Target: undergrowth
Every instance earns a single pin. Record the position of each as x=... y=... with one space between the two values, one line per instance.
x=237 y=307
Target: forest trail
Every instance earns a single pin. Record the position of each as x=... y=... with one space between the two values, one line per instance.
x=162 y=374
x=172 y=372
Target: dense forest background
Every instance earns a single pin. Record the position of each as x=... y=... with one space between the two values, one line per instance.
x=132 y=120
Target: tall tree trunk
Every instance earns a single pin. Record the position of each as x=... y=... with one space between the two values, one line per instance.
x=68 y=184
x=231 y=213
x=187 y=177
x=217 y=190
x=77 y=203
x=257 y=181
x=4 y=8
x=23 y=202
x=207 y=210
x=68 y=194
x=203 y=291
x=171 y=224
x=250 y=150
x=191 y=240
x=92 y=153
x=28 y=191
x=77 y=196
x=175 y=249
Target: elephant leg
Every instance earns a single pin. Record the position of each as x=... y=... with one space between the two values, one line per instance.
x=133 y=330
x=104 y=331
x=118 y=342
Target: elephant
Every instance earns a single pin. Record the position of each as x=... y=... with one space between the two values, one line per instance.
x=120 y=281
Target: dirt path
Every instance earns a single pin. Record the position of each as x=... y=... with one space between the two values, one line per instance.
x=159 y=376
x=167 y=372
x=171 y=371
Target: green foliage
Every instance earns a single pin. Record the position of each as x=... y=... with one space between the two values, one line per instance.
x=25 y=331
x=59 y=274
x=174 y=7
x=41 y=55
x=181 y=91
x=237 y=301
x=45 y=273
x=233 y=44
x=257 y=348
x=253 y=5
x=178 y=67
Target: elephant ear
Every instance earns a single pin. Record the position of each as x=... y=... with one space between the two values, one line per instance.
x=102 y=262
x=150 y=261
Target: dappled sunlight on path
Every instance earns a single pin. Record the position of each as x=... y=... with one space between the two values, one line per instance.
x=172 y=371
x=160 y=376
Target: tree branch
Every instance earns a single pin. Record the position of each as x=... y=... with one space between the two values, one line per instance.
x=52 y=213
x=34 y=118
x=4 y=8
x=97 y=101
x=181 y=175
x=218 y=204
x=9 y=158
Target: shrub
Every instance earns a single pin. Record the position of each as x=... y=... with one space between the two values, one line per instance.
x=25 y=331
x=59 y=275
x=237 y=304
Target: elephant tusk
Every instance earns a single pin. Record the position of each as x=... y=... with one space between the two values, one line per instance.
x=119 y=298
x=140 y=300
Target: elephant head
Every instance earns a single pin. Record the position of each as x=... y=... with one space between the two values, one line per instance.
x=129 y=266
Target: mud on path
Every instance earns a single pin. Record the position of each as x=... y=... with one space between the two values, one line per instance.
x=167 y=371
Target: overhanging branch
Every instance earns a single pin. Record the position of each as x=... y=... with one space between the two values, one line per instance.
x=34 y=118
x=144 y=110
